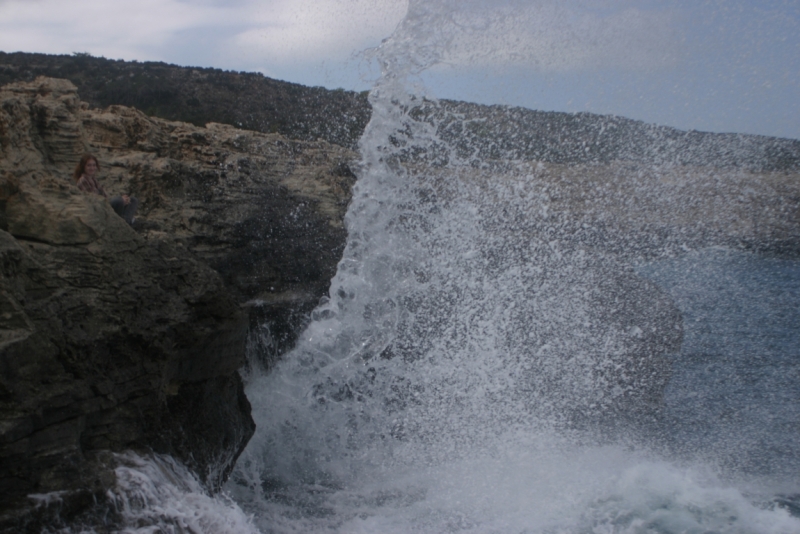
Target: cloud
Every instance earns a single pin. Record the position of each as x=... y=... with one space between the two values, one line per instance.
x=548 y=35
x=282 y=31
x=130 y=30
x=314 y=30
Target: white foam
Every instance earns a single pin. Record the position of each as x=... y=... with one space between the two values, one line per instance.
x=429 y=392
x=156 y=494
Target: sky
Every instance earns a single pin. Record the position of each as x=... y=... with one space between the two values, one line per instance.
x=710 y=65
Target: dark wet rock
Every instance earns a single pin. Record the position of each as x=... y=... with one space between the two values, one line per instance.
x=790 y=503
x=118 y=338
x=107 y=342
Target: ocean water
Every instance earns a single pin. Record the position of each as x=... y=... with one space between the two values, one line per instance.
x=733 y=396
x=356 y=435
x=463 y=375
x=728 y=461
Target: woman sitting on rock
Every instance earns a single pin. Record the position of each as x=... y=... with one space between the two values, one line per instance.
x=84 y=176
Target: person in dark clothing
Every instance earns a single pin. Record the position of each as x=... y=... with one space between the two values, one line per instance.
x=125 y=206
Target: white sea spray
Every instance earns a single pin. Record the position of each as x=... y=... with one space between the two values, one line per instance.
x=432 y=392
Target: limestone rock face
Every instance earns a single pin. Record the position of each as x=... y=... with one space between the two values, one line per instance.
x=115 y=337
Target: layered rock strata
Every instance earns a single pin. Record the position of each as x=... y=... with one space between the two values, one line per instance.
x=115 y=337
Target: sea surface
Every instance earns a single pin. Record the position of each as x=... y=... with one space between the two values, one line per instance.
x=729 y=461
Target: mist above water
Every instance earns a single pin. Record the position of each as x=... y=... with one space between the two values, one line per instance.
x=485 y=361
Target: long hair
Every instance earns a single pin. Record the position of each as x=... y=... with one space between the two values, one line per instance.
x=81 y=167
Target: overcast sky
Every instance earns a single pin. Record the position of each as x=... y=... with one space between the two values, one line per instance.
x=716 y=65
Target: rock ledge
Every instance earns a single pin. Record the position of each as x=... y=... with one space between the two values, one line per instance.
x=116 y=338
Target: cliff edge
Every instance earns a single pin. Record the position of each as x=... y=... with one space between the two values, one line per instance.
x=117 y=338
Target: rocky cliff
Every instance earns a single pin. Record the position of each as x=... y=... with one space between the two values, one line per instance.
x=115 y=337
x=198 y=96
x=255 y=102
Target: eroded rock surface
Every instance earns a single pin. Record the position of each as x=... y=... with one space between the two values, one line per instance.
x=115 y=337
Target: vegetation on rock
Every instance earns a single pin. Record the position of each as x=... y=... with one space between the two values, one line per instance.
x=252 y=101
